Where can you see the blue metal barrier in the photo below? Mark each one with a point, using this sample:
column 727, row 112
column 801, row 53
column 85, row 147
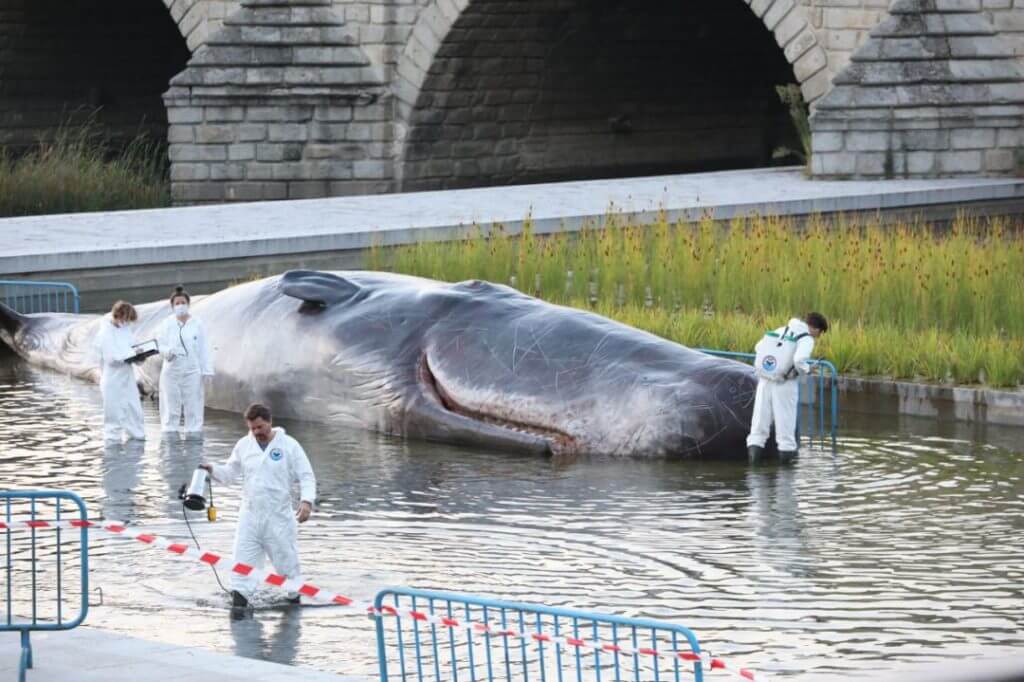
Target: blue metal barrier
column 472, row 644
column 815, row 420
column 35, row 507
column 27, row 296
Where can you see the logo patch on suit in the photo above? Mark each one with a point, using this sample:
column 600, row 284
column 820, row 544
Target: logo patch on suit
column 768, row 363
column 276, row 454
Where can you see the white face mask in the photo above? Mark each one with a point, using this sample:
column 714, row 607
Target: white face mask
column 181, row 310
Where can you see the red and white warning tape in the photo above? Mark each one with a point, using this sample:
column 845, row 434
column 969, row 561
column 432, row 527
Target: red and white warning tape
column 318, row 594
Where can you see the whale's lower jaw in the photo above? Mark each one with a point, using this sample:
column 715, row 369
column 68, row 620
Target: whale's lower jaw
column 555, row 441
column 492, row 428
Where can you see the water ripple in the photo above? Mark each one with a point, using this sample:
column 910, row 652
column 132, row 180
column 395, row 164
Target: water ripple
column 903, row 546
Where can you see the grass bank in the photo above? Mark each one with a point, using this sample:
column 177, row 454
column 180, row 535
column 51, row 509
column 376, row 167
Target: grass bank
column 81, row 171
column 906, row 301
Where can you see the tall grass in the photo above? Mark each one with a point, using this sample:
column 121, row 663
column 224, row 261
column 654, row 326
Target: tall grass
column 81, row 171
column 907, row 301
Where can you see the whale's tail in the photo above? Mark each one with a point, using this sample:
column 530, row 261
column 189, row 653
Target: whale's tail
column 11, row 321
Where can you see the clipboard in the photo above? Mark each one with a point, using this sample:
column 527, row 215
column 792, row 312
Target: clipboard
column 144, row 350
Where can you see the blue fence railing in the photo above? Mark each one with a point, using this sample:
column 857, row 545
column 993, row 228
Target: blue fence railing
column 477, row 644
column 819, row 398
column 37, row 564
column 27, row 296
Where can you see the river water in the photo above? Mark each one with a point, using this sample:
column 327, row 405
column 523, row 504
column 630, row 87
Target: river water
column 905, row 545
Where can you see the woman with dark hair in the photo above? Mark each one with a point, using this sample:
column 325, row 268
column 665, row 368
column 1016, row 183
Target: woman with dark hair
column 782, row 356
column 122, row 408
column 187, row 359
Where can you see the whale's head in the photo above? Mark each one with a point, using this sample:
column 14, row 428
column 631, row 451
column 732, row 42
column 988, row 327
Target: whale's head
column 484, row 364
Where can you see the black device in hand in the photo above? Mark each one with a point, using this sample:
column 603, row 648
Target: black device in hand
column 143, row 350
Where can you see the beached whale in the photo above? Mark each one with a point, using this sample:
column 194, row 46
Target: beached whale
column 470, row 363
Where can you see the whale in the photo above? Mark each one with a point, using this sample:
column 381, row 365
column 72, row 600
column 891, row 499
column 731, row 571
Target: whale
column 468, row 363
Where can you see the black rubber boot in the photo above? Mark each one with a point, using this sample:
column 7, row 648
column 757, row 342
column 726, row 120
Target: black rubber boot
column 787, row 455
column 755, row 453
column 238, row 600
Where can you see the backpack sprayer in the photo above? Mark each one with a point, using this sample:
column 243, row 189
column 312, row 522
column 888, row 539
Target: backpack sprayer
column 193, row 496
column 774, row 355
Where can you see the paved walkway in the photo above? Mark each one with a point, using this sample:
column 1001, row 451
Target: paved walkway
column 178, row 235
column 90, row 655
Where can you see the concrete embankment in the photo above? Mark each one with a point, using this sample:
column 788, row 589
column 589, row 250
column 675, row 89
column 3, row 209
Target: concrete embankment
column 142, row 254
column 945, row 402
column 961, row 403
column 88, row 654
column 147, row 252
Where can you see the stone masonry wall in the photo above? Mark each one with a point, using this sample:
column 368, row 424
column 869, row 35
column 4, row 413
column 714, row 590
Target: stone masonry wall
column 261, row 150
column 280, row 103
column 935, row 91
column 397, row 115
column 842, row 26
column 197, row 20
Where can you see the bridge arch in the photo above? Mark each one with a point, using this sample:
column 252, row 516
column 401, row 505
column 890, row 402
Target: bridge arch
column 485, row 90
column 199, row 19
column 62, row 61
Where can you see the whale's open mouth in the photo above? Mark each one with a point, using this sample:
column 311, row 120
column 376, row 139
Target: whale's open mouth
column 559, row 442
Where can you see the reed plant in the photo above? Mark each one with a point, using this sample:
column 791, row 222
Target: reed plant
column 791, row 96
column 908, row 301
column 81, row 170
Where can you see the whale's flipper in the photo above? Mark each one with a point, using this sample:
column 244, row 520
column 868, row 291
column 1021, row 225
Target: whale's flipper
column 319, row 288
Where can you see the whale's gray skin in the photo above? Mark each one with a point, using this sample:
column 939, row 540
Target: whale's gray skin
column 470, row 363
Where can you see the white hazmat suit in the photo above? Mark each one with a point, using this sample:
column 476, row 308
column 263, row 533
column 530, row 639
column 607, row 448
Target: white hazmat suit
column 122, row 408
column 187, row 359
column 779, row 400
column 266, row 520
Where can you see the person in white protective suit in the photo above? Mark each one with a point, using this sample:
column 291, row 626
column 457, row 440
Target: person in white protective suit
column 112, row 348
column 269, row 462
column 782, row 356
column 187, row 362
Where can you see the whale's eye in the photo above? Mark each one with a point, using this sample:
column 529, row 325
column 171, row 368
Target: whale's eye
column 30, row 342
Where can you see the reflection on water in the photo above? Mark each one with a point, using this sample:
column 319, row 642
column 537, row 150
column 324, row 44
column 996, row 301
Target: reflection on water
column 903, row 546
column 122, row 466
column 268, row 637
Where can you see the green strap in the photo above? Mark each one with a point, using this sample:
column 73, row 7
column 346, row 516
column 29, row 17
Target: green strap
column 791, row 337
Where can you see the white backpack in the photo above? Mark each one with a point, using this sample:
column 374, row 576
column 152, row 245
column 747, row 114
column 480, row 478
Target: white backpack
column 774, row 355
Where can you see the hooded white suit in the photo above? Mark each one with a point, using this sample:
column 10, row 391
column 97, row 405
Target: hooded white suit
column 122, row 408
column 779, row 400
column 266, row 521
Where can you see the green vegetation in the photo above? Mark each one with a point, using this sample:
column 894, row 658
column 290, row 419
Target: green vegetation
column 906, row 301
column 791, row 96
column 80, row 171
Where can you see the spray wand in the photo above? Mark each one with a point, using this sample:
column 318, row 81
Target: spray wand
column 193, row 498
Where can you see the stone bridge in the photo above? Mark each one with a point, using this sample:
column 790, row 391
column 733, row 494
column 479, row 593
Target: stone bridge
column 274, row 99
